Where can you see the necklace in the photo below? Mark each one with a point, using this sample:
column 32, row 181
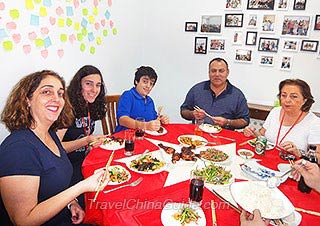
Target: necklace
column 86, row 127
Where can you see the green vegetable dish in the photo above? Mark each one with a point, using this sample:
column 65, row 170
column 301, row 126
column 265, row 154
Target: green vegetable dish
column 214, row 174
column 146, row 163
column 186, row 215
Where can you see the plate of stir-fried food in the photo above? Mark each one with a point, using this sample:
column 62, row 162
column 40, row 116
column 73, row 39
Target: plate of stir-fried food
column 214, row 155
column 147, row 164
column 118, row 175
column 216, row 174
column 181, row 214
column 112, row 143
column 158, row 132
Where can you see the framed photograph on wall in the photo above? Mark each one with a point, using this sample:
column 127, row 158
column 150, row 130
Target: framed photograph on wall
column 233, row 4
column 282, row 5
column 268, row 44
column 200, row 45
column 299, row 4
column 317, row 23
column 217, row 44
column 243, row 56
column 233, row 20
column 296, row 26
column 251, row 38
column 252, row 21
column 263, row 5
column 290, row 45
column 268, row 23
column 286, row 63
column 191, row 27
column 211, row 24
column 309, row 45
column 266, row 60
column 237, row 38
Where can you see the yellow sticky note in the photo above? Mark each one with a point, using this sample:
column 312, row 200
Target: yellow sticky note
column 39, row 42
column 82, row 47
column 7, row 45
column 79, row 37
column 92, row 50
column 91, row 19
column 14, row 13
column 60, row 22
column 37, row 1
column 29, row 4
column 69, row 22
column 95, row 11
column 84, row 31
column 76, row 26
column 85, row 12
column 63, row 37
column 115, row 31
column 99, row 41
column 43, row 11
column 105, row 33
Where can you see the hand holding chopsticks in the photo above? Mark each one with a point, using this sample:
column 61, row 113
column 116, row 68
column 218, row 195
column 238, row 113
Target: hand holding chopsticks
column 197, row 108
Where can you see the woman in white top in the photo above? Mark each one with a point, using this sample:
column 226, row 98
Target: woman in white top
column 292, row 126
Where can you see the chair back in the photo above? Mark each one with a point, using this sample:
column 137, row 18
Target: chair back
column 109, row 122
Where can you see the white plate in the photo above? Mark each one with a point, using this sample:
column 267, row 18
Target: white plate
column 231, row 180
column 270, row 145
column 284, row 167
column 227, row 161
column 193, row 138
column 120, row 168
column 240, row 153
column 251, row 195
column 155, row 133
column 171, row 208
column 112, row 145
column 208, row 128
column 154, row 155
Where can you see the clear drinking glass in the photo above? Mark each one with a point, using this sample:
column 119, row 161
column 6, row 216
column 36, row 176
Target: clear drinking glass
column 140, row 128
column 129, row 142
column 197, row 129
column 196, row 188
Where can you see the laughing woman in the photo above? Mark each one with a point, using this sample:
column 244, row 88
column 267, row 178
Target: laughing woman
column 35, row 171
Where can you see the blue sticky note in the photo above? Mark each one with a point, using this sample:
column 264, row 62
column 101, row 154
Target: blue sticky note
column 3, row 33
column 84, row 23
column 69, row 11
column 47, row 3
column 47, row 42
column 34, row 20
column 82, row 1
column 90, row 36
column 107, row 14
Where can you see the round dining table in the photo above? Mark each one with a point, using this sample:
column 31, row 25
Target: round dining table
column 143, row 204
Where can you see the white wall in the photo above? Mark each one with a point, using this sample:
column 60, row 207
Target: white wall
column 152, row 33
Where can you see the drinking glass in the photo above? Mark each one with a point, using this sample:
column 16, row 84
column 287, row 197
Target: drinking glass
column 196, row 188
column 140, row 128
column 197, row 129
column 129, row 142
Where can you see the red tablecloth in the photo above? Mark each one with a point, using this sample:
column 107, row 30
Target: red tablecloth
column 142, row 205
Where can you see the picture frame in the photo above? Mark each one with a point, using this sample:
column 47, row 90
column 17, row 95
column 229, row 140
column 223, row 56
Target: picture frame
column 317, row 22
column 211, row 24
column 268, row 23
column 286, row 63
column 233, row 4
column 296, row 26
column 243, row 56
column 290, row 45
column 299, row 4
column 282, row 5
column 252, row 21
column 266, row 60
column 233, row 20
column 237, row 38
column 200, row 45
column 217, row 44
column 268, row 44
column 261, row 5
column 191, row 27
column 251, row 38
column 309, row 45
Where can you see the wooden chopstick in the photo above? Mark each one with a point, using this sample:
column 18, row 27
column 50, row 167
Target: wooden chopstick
column 226, row 201
column 307, row 211
column 98, row 140
column 104, row 176
column 213, row 212
column 243, row 143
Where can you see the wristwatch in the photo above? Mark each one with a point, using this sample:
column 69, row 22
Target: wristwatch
column 228, row 122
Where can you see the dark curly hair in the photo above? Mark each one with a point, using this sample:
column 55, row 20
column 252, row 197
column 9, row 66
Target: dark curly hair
column 304, row 89
column 16, row 114
column 145, row 71
column 98, row 107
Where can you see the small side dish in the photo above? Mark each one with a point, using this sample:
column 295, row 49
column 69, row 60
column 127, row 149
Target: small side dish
column 245, row 153
column 186, row 215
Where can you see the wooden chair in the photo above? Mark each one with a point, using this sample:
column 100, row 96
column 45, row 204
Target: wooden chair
column 109, row 122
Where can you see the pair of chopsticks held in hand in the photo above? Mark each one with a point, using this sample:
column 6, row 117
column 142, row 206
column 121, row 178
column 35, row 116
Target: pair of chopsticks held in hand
column 197, row 108
column 99, row 140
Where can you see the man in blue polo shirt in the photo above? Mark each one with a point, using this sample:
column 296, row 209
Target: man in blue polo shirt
column 218, row 97
column 135, row 103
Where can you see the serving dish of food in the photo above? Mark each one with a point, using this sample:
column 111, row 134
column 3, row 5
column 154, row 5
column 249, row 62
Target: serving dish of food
column 192, row 140
column 113, row 143
column 159, row 132
column 214, row 155
column 215, row 174
column 118, row 174
column 147, row 164
column 208, row 128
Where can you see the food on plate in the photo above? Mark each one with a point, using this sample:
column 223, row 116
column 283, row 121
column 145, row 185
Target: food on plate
column 118, row 174
column 268, row 147
column 187, row 154
column 247, row 154
column 216, row 175
column 214, row 155
column 175, row 157
column 160, row 130
column 111, row 140
column 190, row 142
column 167, row 149
column 210, row 128
column 186, row 215
column 147, row 163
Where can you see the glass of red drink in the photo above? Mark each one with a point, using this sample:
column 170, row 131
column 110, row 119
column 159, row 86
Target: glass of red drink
column 129, row 142
column 196, row 188
column 140, row 128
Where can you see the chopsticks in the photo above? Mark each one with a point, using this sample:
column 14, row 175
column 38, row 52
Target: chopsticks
column 98, row 140
column 104, row 176
column 213, row 213
column 245, row 142
column 307, row 211
column 226, row 201
column 197, row 108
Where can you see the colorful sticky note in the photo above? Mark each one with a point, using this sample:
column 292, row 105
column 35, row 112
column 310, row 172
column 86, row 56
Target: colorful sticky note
column 76, row 26
column 97, row 26
column 90, row 37
column 84, row 31
column 47, row 3
column 79, row 37
column 92, row 50
column 7, row 45
column 60, row 22
column 37, row 1
column 91, row 19
column 109, row 3
column 99, row 41
column 63, row 37
column 16, row 38
column 114, row 31
column 60, row 53
column 29, row 4
column 72, row 38
column 107, row 14
column 105, row 33
column 47, row 42
column 76, row 3
column 39, row 42
column 52, row 20
column 59, row 11
column 2, row 6
column 69, row 22
column 69, row 11
column 32, row 36
column 14, row 13
column 95, row 11
column 3, row 33
column 43, row 11
column 95, row 3
column 44, row 30
column 84, row 23
column 26, row 49
column 34, row 20
column 85, row 12
column 82, row 47
column 11, row 26
column 82, row 1
column 44, row 53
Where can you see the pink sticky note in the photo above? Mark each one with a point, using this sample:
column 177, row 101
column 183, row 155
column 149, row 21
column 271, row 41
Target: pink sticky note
column 95, row 3
column 60, row 52
column 76, row 3
column 26, row 49
column 44, row 53
column 111, row 23
column 103, row 22
column 97, row 26
column 109, row 3
column 11, row 25
column 44, row 30
column 2, row 6
column 16, row 38
column 59, row 11
column 32, row 36
column 52, row 20
column 72, row 38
